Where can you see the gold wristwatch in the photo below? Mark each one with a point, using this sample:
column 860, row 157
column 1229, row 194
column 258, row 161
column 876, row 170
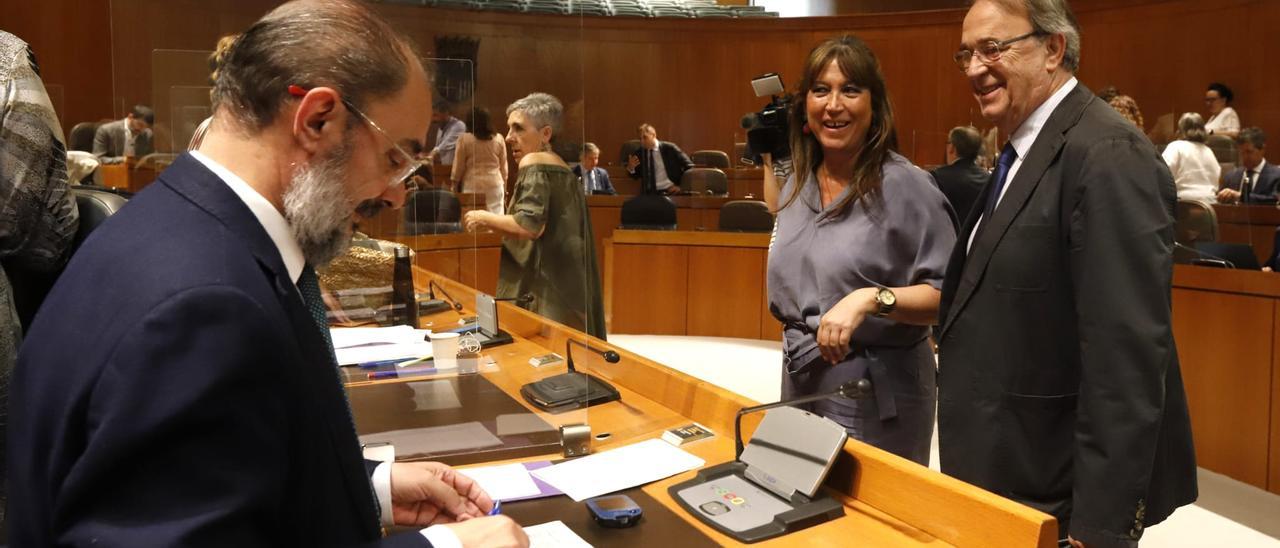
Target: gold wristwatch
column 886, row 300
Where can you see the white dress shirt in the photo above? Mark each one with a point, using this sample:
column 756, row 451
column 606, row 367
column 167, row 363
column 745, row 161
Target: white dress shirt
column 1195, row 170
column 1227, row 120
column 1024, row 137
column 281, row 235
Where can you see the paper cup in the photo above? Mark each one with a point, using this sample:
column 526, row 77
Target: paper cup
column 444, row 350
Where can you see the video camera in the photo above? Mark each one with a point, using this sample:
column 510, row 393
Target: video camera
column 767, row 130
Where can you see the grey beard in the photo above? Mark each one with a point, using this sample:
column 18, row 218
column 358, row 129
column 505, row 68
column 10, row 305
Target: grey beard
column 317, row 207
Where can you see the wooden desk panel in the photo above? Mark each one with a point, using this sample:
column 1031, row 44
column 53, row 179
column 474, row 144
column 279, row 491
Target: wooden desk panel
column 1253, row 225
column 1224, row 345
column 1273, row 477
column 720, row 279
column 888, row 501
column 647, row 287
column 445, row 262
column 478, row 268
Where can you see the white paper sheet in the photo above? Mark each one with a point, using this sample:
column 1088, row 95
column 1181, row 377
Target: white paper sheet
column 381, row 351
column 554, row 534
column 503, row 482
column 344, row 337
column 618, row 469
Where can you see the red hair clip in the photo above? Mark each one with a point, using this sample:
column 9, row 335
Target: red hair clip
column 297, row 91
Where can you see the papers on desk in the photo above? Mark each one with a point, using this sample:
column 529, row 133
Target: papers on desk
column 618, row 469
column 554, row 534
column 354, row 345
column 511, row 482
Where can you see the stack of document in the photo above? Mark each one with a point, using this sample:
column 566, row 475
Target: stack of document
column 618, row 469
column 354, row 345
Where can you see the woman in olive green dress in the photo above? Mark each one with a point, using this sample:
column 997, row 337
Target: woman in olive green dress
column 548, row 250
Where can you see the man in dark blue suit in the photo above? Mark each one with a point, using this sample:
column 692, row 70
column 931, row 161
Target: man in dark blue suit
column 197, row 402
column 1262, row 179
column 962, row 178
column 595, row 180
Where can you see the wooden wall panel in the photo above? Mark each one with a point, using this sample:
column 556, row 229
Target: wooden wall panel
column 721, row 283
column 443, row 262
column 1224, row 346
column 649, row 284
column 690, row 77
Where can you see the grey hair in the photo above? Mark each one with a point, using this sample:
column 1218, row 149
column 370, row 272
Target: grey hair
column 542, row 109
column 1191, row 128
column 1051, row 17
column 1252, row 135
column 590, row 148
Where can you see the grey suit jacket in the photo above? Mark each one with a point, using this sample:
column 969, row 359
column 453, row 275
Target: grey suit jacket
column 110, row 139
column 1059, row 384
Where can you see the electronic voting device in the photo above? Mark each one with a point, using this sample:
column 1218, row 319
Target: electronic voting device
column 485, row 329
column 773, row 489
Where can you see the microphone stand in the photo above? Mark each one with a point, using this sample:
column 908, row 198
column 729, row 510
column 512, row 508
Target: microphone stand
column 431, row 294
column 860, row 388
column 572, row 387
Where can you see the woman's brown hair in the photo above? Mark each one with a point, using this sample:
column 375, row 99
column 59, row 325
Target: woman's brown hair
column 859, row 65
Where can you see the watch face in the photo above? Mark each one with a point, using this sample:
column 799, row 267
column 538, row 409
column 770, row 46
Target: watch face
column 887, row 297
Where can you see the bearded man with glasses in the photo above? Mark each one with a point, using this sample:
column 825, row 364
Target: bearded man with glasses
column 197, row 400
column 1059, row 384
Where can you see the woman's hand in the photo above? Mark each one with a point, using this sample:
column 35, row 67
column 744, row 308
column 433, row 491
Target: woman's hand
column 475, row 220
column 838, row 324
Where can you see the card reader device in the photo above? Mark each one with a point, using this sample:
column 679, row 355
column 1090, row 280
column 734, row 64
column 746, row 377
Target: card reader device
column 614, row 511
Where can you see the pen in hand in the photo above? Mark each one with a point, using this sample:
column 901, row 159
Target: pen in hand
column 497, row 508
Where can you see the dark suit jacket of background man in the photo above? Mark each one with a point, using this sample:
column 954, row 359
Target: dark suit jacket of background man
column 602, row 183
column 673, row 159
column 1264, row 188
column 110, row 139
column 1059, row 384
column 961, row 181
column 192, row 403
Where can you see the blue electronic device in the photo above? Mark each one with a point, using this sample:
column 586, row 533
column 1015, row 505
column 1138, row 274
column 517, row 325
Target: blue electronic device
column 616, row 511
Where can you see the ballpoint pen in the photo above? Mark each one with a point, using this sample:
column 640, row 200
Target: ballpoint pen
column 380, row 363
column 497, row 508
column 397, row 373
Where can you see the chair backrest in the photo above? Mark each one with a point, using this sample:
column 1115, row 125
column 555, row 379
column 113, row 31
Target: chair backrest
column 650, row 212
column 628, row 148
column 1163, row 131
column 30, row 287
column 1194, row 221
column 432, row 211
column 1223, row 147
column 82, row 136
column 705, row 180
column 746, row 216
column 710, row 158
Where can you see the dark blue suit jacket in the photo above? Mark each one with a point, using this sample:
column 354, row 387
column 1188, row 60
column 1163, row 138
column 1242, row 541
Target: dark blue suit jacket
column 174, row 391
column 1265, row 190
column 602, row 183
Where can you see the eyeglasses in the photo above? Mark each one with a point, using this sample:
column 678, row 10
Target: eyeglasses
column 405, row 166
column 1211, row 100
column 989, row 52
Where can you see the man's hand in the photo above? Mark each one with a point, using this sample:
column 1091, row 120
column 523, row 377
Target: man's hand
column 1228, row 196
column 496, row 532
column 428, row 493
column 1075, row 543
column 633, row 162
column 838, row 324
column 475, row 220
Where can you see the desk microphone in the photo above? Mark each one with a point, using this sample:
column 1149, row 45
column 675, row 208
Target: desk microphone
column 858, row 389
column 1209, row 259
column 572, row 389
column 431, row 293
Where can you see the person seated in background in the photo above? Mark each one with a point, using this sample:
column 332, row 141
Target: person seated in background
column 127, row 138
column 1195, row 169
column 1262, row 180
column 480, row 162
column 658, row 164
column 961, row 180
column 1223, row 119
column 447, row 132
column 1125, row 105
column 595, row 180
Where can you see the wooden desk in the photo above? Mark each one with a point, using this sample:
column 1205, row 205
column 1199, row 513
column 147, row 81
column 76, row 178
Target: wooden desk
column 128, row 176
column 745, row 183
column 688, row 283
column 692, row 213
column 390, row 222
column 1254, row 225
column 1227, row 326
column 468, row 258
column 888, row 500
